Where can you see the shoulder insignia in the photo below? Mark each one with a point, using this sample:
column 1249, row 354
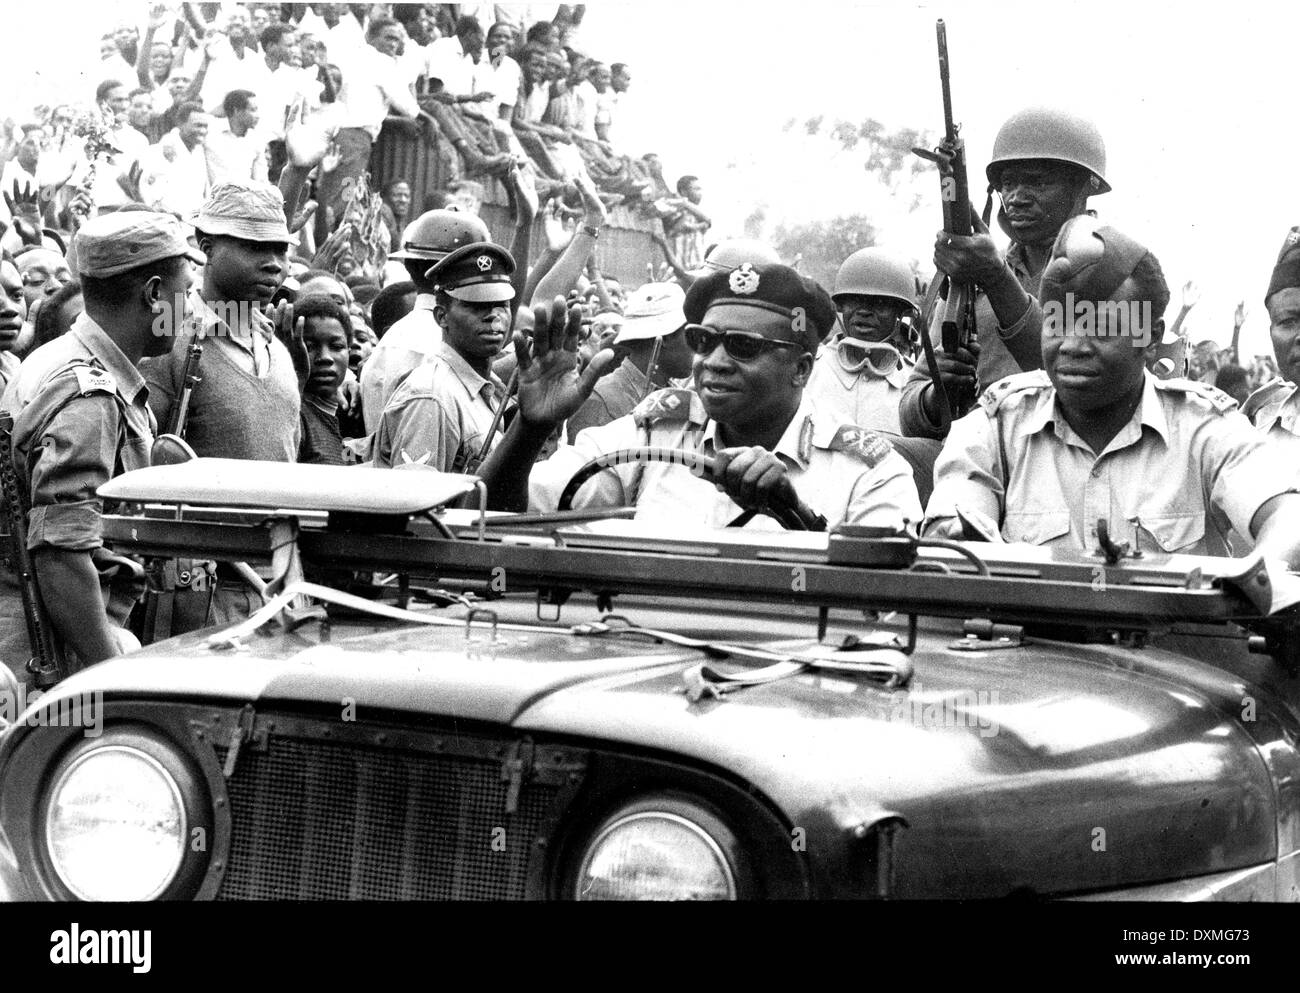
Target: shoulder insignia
column 1219, row 400
column 1268, row 393
column 996, row 393
column 92, row 380
column 669, row 405
column 868, row 446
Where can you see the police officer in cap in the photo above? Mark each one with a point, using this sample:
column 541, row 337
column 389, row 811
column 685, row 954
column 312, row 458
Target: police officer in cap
column 753, row 331
column 1046, row 164
column 442, row 413
column 81, row 418
column 1169, row 465
column 860, row 371
column 410, row 342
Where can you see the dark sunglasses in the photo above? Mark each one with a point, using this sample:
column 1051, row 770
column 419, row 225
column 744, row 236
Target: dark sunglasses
column 743, row 346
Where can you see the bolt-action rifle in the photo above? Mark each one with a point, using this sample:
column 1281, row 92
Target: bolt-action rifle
column 47, row 665
column 958, row 327
column 190, row 378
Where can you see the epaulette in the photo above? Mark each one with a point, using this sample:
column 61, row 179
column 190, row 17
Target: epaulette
column 1219, row 400
column 89, row 378
column 1265, row 395
column 868, row 446
column 994, row 395
column 670, row 405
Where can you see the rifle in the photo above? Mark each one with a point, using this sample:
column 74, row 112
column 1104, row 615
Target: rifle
column 190, row 378
column 958, row 328
column 47, row 664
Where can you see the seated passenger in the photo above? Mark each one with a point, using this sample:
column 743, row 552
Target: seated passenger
column 1169, row 464
column 753, row 332
column 860, row 372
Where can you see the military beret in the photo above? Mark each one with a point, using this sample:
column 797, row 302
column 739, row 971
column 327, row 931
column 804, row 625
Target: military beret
column 1286, row 273
column 476, row 273
column 1089, row 260
column 772, row 287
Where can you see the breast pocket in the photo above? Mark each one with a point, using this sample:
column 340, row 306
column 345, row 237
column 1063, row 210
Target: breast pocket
column 1175, row 531
column 1040, row 528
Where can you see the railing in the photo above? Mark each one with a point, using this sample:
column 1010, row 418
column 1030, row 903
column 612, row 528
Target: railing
column 422, row 160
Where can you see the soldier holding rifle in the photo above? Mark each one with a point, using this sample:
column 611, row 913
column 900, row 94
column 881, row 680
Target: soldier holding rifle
column 87, row 421
column 1046, row 163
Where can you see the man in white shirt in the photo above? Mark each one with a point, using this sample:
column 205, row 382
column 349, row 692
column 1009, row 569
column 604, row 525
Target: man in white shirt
column 235, row 151
column 464, row 109
column 107, row 192
column 175, row 172
column 373, row 86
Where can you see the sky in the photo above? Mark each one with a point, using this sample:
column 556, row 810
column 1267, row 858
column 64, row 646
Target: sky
column 1195, row 102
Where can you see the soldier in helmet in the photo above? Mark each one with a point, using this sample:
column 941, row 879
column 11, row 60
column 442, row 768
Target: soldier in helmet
column 753, row 332
column 860, row 371
column 430, row 238
column 1046, row 164
column 1169, row 465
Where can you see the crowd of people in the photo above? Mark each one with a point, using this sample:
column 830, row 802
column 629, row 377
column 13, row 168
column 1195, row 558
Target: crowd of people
column 207, row 260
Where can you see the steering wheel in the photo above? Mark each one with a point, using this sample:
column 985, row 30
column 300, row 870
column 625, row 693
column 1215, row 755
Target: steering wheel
column 795, row 517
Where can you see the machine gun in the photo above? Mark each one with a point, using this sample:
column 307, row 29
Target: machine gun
column 958, row 327
column 47, row 664
column 190, row 378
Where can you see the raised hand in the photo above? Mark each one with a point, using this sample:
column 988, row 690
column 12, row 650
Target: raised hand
column 591, row 203
column 159, row 15
column 333, row 155
column 1191, row 294
column 303, row 216
column 968, row 259
column 550, row 387
column 556, row 237
column 24, row 204
column 1239, row 316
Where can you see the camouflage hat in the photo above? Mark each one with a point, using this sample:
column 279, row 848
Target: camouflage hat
column 118, row 242
column 653, row 311
column 245, row 209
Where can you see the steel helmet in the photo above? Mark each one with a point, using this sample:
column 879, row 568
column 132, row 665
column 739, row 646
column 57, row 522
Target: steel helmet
column 875, row 272
column 726, row 255
column 1050, row 133
column 435, row 234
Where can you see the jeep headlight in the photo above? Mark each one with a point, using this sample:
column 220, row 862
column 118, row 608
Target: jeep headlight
column 115, row 824
column 659, row 851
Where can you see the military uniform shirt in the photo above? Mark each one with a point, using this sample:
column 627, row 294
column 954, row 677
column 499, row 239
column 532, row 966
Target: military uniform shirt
column 844, row 473
column 860, row 398
column 87, row 421
column 1185, row 471
column 1273, row 409
column 408, row 344
column 439, row 416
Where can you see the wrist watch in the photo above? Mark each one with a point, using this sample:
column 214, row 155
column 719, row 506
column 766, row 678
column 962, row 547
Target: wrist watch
column 591, row 230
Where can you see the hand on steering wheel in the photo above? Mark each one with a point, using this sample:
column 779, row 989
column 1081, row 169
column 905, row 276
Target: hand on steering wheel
column 741, row 472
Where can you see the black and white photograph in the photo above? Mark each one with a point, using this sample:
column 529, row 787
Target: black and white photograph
column 657, row 452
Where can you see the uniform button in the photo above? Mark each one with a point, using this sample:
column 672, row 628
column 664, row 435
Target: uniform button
column 1095, row 472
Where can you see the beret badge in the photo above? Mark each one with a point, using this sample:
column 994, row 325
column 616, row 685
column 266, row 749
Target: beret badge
column 743, row 279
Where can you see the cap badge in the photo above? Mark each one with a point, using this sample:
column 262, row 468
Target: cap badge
column 743, row 279
column 484, row 263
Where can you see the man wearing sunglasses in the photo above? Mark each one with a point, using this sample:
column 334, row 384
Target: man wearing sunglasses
column 1046, row 163
column 1169, row 465
column 859, row 374
column 753, row 331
